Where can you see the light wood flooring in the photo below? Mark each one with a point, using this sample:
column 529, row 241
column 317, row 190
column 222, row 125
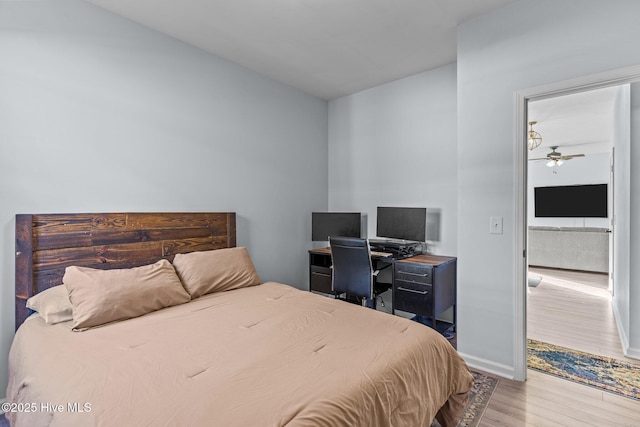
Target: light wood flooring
column 573, row 309
column 570, row 309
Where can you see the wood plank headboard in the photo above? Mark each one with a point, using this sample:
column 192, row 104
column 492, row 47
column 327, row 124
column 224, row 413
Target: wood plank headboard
column 48, row 243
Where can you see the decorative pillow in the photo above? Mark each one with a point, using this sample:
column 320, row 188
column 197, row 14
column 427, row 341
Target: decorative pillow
column 103, row 296
column 215, row 271
column 53, row 305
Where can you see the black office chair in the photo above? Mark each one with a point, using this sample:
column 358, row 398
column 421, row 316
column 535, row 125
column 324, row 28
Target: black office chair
column 353, row 273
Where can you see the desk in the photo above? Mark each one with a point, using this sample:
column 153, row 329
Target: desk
column 422, row 284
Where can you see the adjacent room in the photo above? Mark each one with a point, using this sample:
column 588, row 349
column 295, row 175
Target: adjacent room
column 222, row 127
column 571, row 221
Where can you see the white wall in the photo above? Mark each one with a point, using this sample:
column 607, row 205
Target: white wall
column 634, row 214
column 395, row 145
column 523, row 45
column 622, row 220
column 100, row 114
column 591, row 169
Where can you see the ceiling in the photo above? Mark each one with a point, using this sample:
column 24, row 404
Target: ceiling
column 327, row 48
column 333, row 48
column 577, row 123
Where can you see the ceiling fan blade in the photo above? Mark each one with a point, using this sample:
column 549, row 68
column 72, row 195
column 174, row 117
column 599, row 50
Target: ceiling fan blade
column 540, row 158
column 571, row 156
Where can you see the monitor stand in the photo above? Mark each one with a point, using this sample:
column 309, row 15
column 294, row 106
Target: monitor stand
column 399, row 248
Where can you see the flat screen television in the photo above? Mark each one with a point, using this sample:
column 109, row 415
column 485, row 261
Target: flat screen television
column 343, row 224
column 571, row 201
column 402, row 223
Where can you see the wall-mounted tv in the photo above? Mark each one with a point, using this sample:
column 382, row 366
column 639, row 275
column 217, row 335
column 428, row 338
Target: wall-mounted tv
column 571, row 201
column 343, row 224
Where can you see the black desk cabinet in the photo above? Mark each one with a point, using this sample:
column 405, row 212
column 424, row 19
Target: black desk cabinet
column 426, row 286
column 320, row 270
column 422, row 284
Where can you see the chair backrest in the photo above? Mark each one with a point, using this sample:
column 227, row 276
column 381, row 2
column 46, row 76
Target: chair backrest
column 352, row 269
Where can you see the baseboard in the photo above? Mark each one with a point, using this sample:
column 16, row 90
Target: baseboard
column 622, row 333
column 633, row 353
column 488, row 366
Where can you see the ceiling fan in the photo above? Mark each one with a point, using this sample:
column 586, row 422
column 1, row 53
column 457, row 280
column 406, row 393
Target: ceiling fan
column 555, row 158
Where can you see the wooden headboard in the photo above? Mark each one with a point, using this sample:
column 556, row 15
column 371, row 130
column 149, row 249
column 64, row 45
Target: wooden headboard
column 48, row 243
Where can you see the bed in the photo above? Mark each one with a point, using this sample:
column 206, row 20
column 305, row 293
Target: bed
column 238, row 353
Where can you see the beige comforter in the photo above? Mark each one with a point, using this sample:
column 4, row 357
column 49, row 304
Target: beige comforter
column 268, row 355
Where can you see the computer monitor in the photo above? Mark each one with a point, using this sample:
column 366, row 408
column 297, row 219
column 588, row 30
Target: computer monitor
column 402, row 223
column 325, row 224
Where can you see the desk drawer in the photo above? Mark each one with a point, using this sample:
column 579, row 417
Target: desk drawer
column 320, row 279
column 414, row 273
column 413, row 297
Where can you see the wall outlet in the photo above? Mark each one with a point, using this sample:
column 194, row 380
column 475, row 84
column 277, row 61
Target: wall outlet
column 495, row 225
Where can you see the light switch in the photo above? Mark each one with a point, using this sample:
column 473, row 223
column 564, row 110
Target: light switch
column 495, row 225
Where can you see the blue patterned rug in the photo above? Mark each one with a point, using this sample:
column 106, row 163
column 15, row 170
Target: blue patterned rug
column 604, row 373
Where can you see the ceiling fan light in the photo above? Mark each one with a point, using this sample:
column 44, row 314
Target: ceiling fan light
column 551, row 163
column 559, row 162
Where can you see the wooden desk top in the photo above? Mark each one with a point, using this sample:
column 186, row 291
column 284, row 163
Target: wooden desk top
column 327, row 251
column 434, row 260
column 418, row 259
column 321, row 251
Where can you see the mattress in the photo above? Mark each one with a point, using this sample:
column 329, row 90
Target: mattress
column 267, row 355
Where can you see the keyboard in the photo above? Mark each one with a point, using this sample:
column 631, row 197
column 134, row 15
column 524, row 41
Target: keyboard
column 380, row 254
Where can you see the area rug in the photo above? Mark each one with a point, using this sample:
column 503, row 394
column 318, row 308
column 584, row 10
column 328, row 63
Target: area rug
column 483, row 387
column 604, row 373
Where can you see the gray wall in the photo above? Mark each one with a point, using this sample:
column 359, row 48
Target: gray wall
column 100, row 114
column 499, row 54
column 395, row 145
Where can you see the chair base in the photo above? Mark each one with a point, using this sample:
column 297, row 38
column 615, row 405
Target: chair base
column 354, row 299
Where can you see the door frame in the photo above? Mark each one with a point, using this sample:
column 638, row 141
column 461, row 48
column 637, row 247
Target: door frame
column 522, row 97
column 611, row 201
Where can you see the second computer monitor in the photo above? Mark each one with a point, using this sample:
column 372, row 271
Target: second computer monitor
column 325, row 224
column 402, row 223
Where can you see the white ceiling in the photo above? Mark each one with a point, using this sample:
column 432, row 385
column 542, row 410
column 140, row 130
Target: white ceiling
column 328, row 48
column 577, row 123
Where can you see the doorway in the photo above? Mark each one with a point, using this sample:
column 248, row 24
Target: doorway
column 570, row 143
column 607, row 79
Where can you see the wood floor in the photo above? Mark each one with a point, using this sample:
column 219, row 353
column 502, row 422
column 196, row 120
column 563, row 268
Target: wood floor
column 573, row 310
